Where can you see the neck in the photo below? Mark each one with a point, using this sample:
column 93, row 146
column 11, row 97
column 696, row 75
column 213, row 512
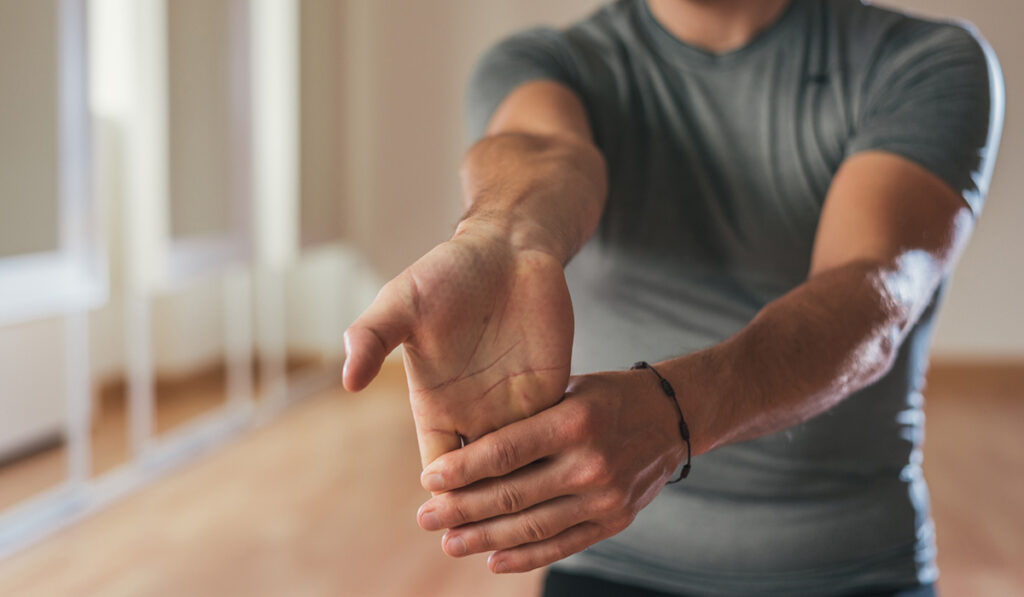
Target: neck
column 717, row 25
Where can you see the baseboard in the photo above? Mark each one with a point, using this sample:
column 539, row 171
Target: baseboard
column 38, row 444
column 111, row 395
column 112, row 391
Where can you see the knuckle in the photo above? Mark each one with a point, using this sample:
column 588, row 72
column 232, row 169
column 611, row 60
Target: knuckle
column 586, row 476
column 619, row 500
column 504, row 455
column 533, row 530
column 561, row 551
column 595, row 471
column 603, row 463
column 510, row 498
column 579, row 421
column 480, row 540
column 457, row 513
column 612, row 501
column 454, row 469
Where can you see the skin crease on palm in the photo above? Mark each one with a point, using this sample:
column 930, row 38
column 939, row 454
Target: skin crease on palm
column 487, row 332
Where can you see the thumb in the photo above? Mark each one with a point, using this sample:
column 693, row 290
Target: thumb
column 380, row 329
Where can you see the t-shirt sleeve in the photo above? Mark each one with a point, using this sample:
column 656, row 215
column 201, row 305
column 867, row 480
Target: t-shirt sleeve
column 535, row 54
column 937, row 100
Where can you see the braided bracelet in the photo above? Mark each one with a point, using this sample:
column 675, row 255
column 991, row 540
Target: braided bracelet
column 684, row 430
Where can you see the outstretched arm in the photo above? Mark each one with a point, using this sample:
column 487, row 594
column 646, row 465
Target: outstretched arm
column 485, row 318
column 544, row 488
column 891, row 228
column 889, row 233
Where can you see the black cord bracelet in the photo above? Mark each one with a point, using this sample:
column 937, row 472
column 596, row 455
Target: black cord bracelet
column 684, row 430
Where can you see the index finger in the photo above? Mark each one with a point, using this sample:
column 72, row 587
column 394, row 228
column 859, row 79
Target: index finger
column 500, row 452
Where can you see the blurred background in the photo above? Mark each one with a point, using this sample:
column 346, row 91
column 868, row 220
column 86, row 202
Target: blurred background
column 197, row 197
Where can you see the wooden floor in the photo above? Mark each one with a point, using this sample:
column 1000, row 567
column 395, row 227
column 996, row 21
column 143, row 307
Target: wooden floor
column 974, row 463
column 322, row 502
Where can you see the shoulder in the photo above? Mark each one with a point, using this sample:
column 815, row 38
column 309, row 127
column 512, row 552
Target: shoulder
column 579, row 56
column 610, row 30
column 597, row 38
column 882, row 35
column 593, row 55
column 930, row 90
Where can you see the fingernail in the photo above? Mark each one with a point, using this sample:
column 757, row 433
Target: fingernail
column 500, row 567
column 456, row 546
column 433, row 482
column 430, row 521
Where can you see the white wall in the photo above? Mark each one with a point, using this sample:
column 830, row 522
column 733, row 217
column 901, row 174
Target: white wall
column 409, row 67
column 200, row 124
column 30, row 395
column 28, row 168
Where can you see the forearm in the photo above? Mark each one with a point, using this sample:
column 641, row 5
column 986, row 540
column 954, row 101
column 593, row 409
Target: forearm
column 803, row 353
column 544, row 192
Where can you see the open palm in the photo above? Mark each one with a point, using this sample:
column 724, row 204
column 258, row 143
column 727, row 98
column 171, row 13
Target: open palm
column 487, row 331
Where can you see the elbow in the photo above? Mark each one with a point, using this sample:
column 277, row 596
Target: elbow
column 878, row 356
column 899, row 297
column 870, row 359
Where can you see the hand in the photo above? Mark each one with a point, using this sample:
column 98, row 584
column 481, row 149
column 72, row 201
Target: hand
column 546, row 487
column 487, row 329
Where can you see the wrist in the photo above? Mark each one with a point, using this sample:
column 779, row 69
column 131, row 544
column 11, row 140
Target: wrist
column 646, row 391
column 518, row 233
column 696, row 393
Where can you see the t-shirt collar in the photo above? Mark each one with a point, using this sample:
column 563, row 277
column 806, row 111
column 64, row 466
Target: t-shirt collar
column 675, row 49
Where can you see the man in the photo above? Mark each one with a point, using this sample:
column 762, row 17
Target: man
column 764, row 198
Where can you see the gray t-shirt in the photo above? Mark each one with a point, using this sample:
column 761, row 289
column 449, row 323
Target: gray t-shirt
column 718, row 168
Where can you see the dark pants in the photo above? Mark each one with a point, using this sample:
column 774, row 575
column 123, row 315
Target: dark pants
column 560, row 584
